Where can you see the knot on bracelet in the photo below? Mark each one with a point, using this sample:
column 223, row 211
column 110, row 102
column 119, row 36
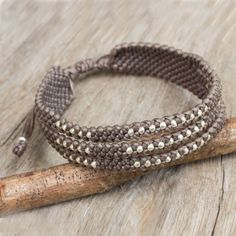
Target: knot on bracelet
column 86, row 66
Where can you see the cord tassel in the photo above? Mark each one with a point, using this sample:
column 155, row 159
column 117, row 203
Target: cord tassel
column 20, row 147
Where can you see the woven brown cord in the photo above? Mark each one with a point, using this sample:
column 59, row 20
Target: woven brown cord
column 145, row 144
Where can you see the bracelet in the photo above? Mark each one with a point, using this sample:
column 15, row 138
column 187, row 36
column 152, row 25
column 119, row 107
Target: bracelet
column 139, row 145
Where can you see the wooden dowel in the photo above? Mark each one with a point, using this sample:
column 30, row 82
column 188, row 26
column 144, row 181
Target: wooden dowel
column 68, row 181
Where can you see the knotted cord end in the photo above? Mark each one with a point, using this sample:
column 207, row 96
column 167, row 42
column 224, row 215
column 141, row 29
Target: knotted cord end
column 20, row 147
column 87, row 66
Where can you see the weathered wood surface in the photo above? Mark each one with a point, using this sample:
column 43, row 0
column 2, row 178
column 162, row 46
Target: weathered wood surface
column 68, row 181
column 195, row 199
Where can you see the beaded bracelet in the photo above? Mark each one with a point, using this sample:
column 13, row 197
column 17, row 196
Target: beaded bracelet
column 139, row 145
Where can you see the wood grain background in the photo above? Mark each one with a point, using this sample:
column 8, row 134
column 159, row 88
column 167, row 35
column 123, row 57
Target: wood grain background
column 195, row 199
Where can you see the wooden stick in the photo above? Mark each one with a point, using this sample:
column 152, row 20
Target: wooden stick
column 68, row 181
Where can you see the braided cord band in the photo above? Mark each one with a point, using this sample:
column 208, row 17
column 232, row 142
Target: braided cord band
column 144, row 144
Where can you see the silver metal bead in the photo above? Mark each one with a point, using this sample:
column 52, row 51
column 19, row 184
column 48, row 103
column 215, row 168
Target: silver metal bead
column 199, row 113
column 150, row 147
column 152, row 128
column 65, row 156
column 71, row 158
column 173, row 123
column 194, row 147
column 141, row 130
column 58, row 141
column 137, row 164
column 177, row 156
column 88, row 135
column 129, row 150
column 188, row 133
column 72, row 130
column 192, row 116
column 130, row 132
column 79, row 149
column 23, row 139
column 64, row 127
column 186, row 151
column 183, row 119
column 72, row 147
column 180, row 137
column 139, row 149
column 80, row 134
column 203, row 123
column 147, row 164
column 196, row 129
column 163, row 125
column 94, row 164
column 87, row 150
column 58, row 124
column 64, row 143
column 171, row 141
column 208, row 137
column 161, row 145
column 202, row 142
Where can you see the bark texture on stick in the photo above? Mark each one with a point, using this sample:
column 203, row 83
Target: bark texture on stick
column 68, row 181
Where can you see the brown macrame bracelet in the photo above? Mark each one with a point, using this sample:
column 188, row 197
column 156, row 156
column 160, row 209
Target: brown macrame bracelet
column 145, row 144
